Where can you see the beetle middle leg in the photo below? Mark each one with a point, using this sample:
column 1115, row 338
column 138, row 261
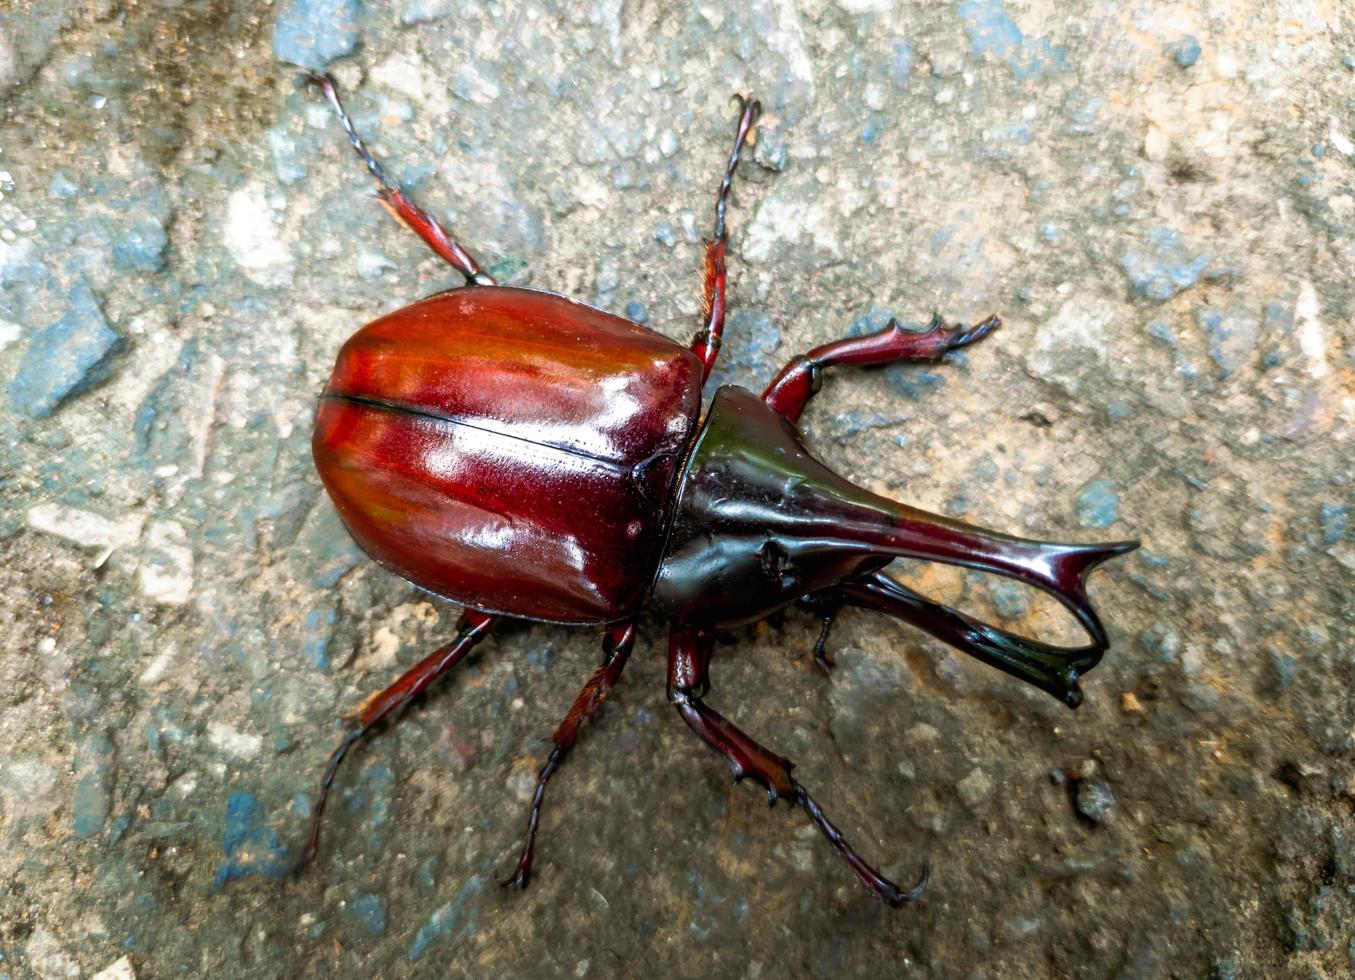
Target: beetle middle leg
column 791, row 390
column 616, row 647
column 473, row 628
column 398, row 202
column 689, row 653
column 826, row 606
column 706, row 344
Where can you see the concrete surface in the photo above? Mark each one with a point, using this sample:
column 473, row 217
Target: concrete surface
column 1157, row 197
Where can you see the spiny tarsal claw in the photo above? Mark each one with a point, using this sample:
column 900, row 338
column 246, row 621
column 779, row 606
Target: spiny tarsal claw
column 747, row 102
column 961, row 335
column 903, row 897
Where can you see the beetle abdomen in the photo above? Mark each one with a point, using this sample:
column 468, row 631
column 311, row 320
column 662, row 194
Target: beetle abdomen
column 509, row 449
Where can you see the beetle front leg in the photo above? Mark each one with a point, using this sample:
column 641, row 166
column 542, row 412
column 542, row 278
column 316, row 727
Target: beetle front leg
column 473, row 628
column 398, row 202
column 791, row 390
column 706, row 344
column 689, row 653
column 616, row 649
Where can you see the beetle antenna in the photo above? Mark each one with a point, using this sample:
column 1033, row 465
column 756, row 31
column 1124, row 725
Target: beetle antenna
column 749, row 111
column 398, row 202
column 325, row 82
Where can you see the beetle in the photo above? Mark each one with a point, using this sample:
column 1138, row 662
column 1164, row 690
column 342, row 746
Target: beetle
column 525, row 455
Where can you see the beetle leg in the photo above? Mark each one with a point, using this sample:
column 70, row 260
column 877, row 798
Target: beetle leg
column 822, row 658
column 826, row 606
column 474, row 627
column 616, row 649
column 706, row 344
column 688, row 680
column 398, row 203
column 791, row 390
column 1055, row 670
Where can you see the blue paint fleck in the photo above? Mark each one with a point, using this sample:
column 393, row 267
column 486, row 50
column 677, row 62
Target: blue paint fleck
column 422, row 11
column 665, row 235
column 373, row 794
column 1082, row 110
column 1232, row 338
column 1335, row 521
column 428, row 873
column 335, row 552
column 371, row 912
column 1017, row 132
column 540, row 657
column 990, row 28
column 90, row 803
column 1049, row 231
column 316, row 634
column 249, row 845
column 1165, row 268
column 750, row 340
column 451, row 920
column 1186, row 51
column 635, row 311
column 992, row 31
column 872, row 321
column 312, row 33
column 117, row 829
column 849, row 424
column 65, row 358
column 901, row 65
column 912, row 381
column 142, row 248
column 1010, row 600
column 1161, row 642
column 287, row 163
column 61, row 185
column 1285, row 669
column 1098, row 505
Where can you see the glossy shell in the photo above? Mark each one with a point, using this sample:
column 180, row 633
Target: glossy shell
column 509, row 449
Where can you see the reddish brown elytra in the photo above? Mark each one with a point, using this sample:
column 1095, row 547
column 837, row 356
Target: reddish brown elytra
column 525, row 455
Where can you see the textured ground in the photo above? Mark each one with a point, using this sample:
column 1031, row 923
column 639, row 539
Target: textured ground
column 1159, row 198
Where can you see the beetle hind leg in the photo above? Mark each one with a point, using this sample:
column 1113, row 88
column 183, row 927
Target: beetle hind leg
column 616, row 649
column 397, row 202
column 688, row 659
column 797, row 382
column 474, row 627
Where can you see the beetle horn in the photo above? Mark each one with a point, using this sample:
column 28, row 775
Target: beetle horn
column 1059, row 569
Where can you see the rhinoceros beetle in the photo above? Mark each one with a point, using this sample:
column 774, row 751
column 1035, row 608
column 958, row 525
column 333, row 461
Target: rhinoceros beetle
column 525, row 455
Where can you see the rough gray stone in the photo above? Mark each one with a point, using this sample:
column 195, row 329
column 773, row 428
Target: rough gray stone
column 312, row 33
column 65, row 358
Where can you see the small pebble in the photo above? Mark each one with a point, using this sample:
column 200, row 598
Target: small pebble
column 1095, row 800
column 1186, row 51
